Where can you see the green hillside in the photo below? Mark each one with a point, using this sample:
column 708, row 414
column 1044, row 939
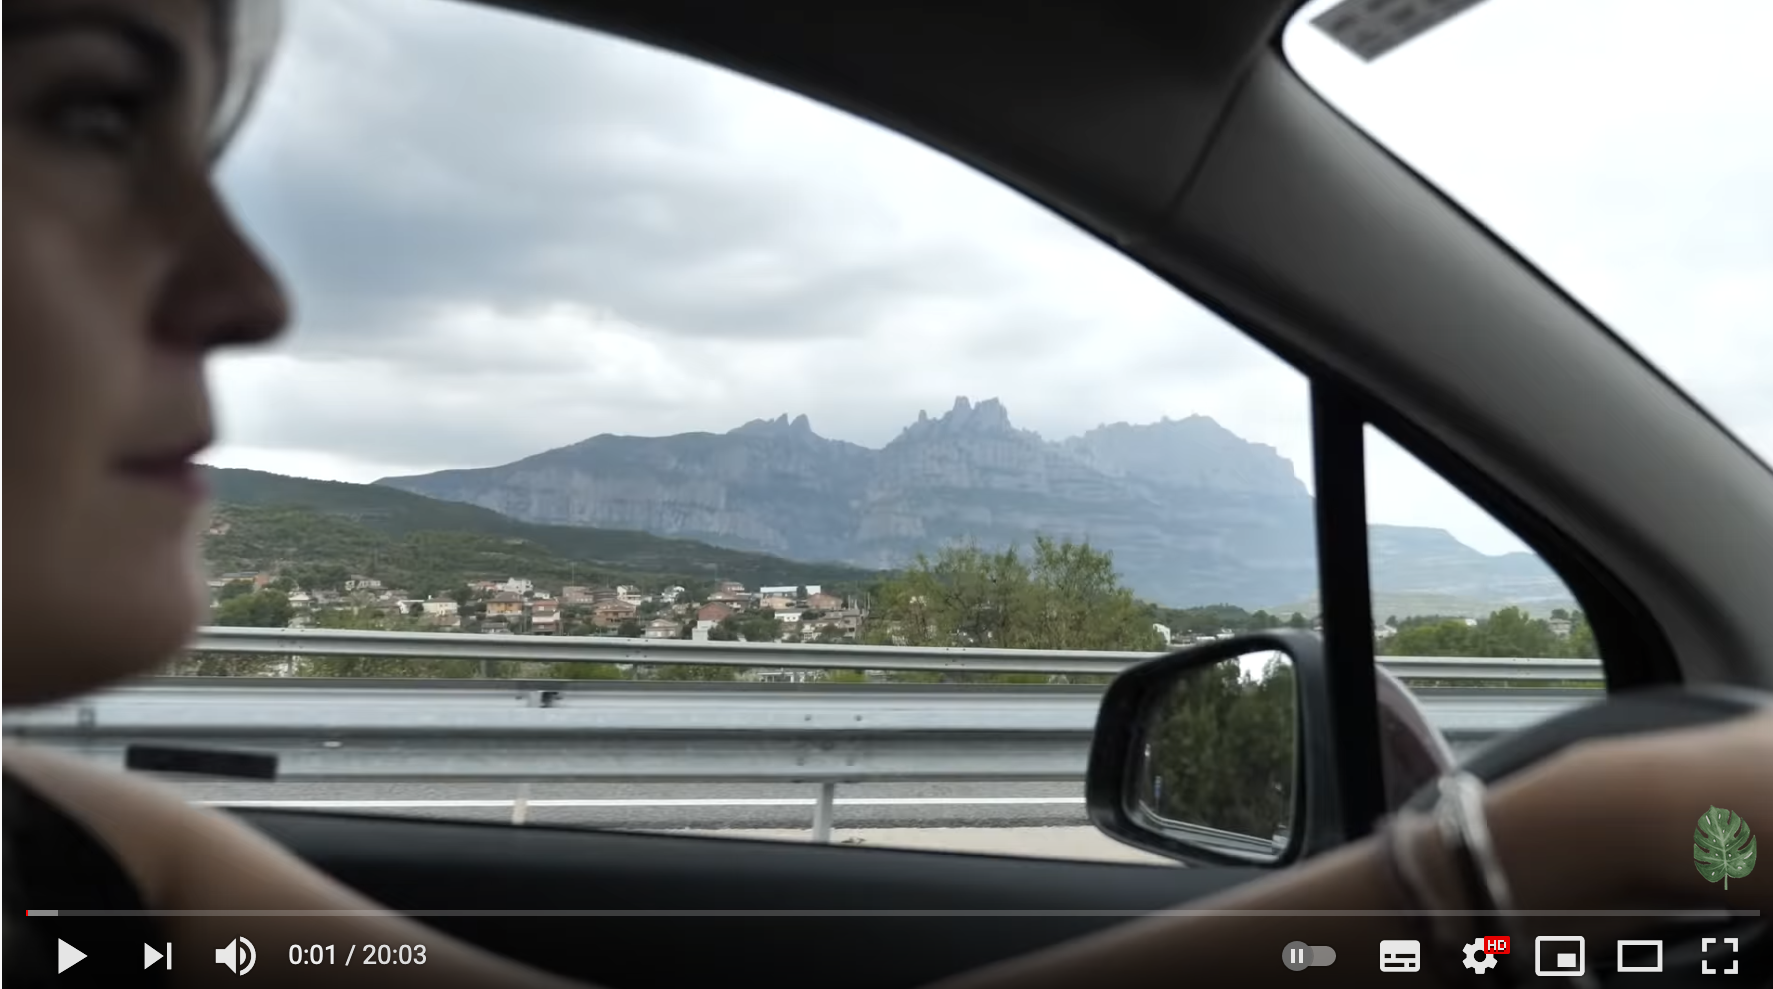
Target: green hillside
column 423, row 544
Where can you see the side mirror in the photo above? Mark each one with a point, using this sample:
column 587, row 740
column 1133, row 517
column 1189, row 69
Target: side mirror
column 1202, row 755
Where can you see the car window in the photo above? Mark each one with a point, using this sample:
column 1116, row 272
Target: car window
column 642, row 349
column 1614, row 153
column 1487, row 637
column 606, row 360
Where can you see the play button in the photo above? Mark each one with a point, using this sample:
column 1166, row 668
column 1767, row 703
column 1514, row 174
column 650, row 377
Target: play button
column 66, row 956
column 151, row 954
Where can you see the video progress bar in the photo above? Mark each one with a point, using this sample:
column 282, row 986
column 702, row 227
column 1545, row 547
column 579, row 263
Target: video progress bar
column 1179, row 912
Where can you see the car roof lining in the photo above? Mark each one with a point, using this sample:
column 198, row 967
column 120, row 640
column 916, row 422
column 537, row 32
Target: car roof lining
column 1134, row 103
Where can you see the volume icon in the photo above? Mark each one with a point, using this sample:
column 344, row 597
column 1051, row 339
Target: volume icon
column 240, row 956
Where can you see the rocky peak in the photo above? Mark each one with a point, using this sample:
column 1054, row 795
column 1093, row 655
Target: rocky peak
column 1195, row 452
column 799, row 426
column 964, row 418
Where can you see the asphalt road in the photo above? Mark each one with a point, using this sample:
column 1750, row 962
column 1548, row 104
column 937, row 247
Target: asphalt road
column 655, row 806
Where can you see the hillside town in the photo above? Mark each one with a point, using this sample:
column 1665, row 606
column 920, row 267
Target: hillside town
column 517, row 606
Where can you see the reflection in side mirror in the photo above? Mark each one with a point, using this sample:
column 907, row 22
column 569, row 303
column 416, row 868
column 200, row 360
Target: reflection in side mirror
column 1214, row 763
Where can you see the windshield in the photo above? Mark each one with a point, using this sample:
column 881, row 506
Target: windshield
column 1621, row 146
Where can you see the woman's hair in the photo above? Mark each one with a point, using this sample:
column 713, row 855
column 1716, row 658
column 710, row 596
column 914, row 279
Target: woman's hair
column 246, row 35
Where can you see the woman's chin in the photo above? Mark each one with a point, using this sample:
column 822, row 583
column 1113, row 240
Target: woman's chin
column 140, row 635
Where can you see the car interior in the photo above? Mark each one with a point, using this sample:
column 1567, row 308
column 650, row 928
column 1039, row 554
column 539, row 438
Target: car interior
column 1178, row 134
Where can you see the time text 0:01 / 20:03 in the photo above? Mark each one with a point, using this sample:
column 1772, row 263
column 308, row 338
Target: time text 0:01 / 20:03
column 361, row 954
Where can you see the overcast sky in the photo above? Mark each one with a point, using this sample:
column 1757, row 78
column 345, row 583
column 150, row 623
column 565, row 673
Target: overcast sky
column 504, row 236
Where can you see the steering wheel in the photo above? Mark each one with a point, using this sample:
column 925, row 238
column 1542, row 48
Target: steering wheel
column 1633, row 713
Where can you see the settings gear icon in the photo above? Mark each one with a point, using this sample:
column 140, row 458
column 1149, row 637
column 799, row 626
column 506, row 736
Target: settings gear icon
column 1474, row 962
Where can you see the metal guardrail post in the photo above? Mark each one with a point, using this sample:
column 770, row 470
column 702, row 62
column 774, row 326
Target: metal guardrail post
column 823, row 811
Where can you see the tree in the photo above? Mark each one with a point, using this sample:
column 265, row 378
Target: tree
column 233, row 589
column 1064, row 595
column 684, row 671
column 630, row 629
column 752, row 626
column 1221, row 753
column 1507, row 632
column 257, row 609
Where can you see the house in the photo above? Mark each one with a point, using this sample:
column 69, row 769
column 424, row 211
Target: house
column 518, row 585
column 629, row 594
column 788, row 617
column 700, row 632
column 483, row 586
column 730, row 587
column 1383, row 632
column 775, row 602
column 441, row 606
column 821, row 601
column 1164, row 631
column 1560, row 627
column 301, row 600
column 736, row 600
column 495, row 628
column 604, row 595
column 670, row 595
column 786, row 591
column 609, row 614
column 444, row 622
column 363, row 584
column 544, row 617
column 713, row 613
column 505, row 604
column 663, row 628
column 577, row 597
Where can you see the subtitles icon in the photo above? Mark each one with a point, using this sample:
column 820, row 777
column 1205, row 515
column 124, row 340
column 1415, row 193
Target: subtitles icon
column 1400, row 956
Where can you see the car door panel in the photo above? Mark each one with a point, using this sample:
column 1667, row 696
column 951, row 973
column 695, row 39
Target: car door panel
column 959, row 911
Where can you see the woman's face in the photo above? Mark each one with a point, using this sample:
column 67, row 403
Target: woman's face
column 123, row 271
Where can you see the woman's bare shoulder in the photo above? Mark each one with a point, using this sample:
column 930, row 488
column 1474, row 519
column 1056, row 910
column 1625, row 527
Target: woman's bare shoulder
column 179, row 855
column 144, row 824
column 186, row 858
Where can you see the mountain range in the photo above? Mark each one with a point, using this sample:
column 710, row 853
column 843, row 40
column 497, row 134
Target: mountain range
column 267, row 521
column 1192, row 512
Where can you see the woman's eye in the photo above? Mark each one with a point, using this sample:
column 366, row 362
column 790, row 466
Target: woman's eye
column 103, row 120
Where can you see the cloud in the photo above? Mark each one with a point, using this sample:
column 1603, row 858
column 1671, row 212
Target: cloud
column 505, row 236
